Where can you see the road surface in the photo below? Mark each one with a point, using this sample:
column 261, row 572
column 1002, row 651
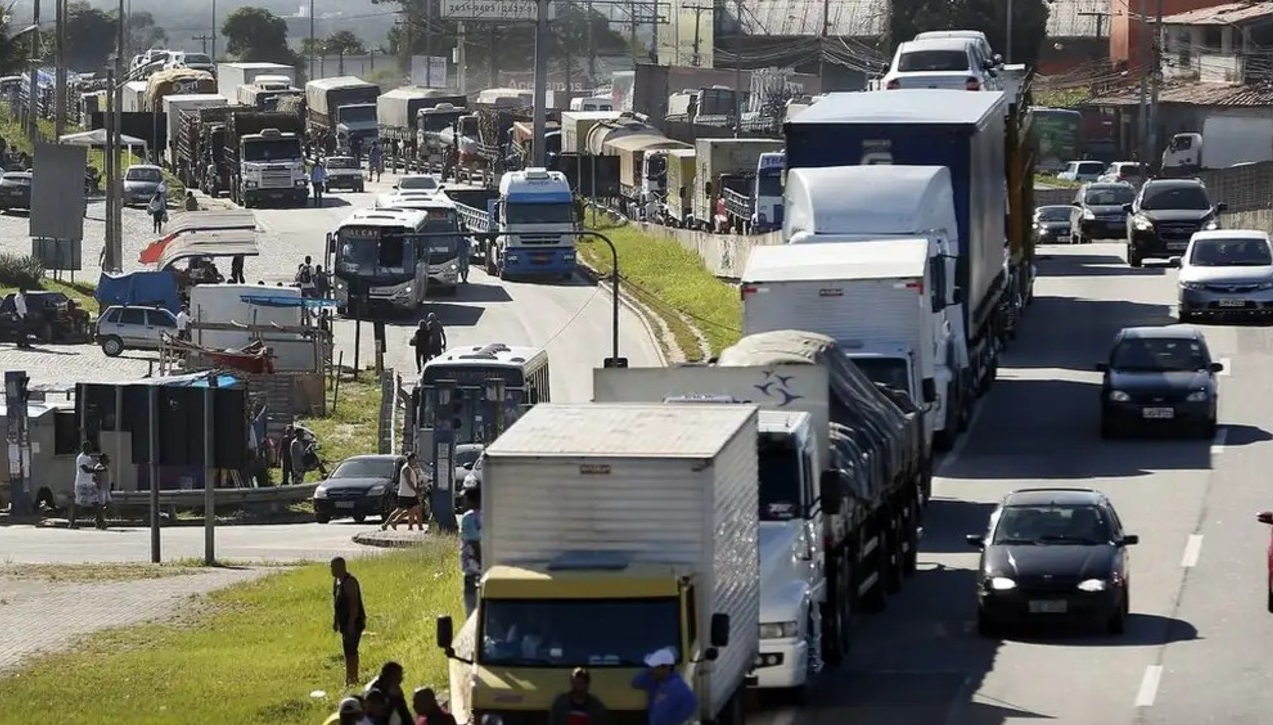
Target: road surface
column 1195, row 647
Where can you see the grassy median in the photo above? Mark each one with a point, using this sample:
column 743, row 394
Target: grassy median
column 352, row 428
column 253, row 653
column 673, row 283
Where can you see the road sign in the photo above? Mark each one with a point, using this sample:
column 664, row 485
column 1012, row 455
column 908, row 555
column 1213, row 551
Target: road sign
column 499, row 11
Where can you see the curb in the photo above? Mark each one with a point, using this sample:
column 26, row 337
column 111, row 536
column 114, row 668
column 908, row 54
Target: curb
column 634, row 306
column 168, row 522
column 392, row 539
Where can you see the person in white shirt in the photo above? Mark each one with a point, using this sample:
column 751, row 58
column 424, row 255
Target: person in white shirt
column 183, row 323
column 409, row 492
column 86, row 491
column 24, row 321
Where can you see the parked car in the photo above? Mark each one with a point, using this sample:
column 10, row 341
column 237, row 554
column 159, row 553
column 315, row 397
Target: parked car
column 1226, row 273
column 124, row 327
column 1097, row 211
column 978, row 39
column 1159, row 378
column 1053, row 555
column 141, row 183
column 1052, row 224
column 1082, row 171
column 359, row 487
column 1131, row 172
column 55, row 318
column 418, row 183
column 953, row 63
column 15, row 190
column 344, row 172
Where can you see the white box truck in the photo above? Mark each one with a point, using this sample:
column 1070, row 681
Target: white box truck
column 232, row 75
column 174, row 106
column 605, row 527
column 134, row 100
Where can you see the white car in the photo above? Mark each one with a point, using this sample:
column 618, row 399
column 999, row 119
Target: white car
column 344, row 172
column 418, row 183
column 1082, row 171
column 978, row 39
column 952, row 63
column 1226, row 273
column 1129, row 171
column 126, row 327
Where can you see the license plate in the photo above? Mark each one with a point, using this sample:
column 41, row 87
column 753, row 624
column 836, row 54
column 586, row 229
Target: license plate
column 1177, row 246
column 1232, row 302
column 540, row 258
column 1159, row 413
column 344, row 504
column 1048, row 607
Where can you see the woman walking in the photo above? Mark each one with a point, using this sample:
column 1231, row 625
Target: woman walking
column 409, row 492
column 158, row 211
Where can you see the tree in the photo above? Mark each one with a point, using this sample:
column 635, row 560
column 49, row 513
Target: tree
column 344, row 43
column 1029, row 22
column 90, row 36
column 256, row 35
column 13, row 52
column 143, row 33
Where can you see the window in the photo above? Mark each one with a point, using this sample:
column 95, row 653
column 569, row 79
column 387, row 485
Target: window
column 426, row 183
column 1167, row 354
column 1175, row 197
column 1109, row 196
column 551, row 213
column 132, row 316
column 1231, row 253
column 111, row 316
column 366, row 468
column 144, row 174
column 1077, row 525
column 933, row 60
column 288, row 149
column 161, row 318
column 1090, row 167
column 570, row 632
column 66, row 433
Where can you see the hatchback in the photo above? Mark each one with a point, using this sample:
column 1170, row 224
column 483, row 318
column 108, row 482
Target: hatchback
column 122, row 328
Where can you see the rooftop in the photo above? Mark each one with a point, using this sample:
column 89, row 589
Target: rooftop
column 1227, row 14
column 1194, row 94
column 849, row 18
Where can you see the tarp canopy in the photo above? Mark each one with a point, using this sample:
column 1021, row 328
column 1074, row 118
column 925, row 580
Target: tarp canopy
column 269, row 299
column 97, row 139
column 191, row 221
column 210, row 243
column 146, row 287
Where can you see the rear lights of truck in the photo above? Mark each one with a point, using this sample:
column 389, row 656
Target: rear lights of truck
column 894, row 85
column 972, row 84
column 744, row 291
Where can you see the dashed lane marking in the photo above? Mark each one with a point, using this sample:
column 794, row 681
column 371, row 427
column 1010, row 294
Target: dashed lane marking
column 1148, row 691
column 1193, row 550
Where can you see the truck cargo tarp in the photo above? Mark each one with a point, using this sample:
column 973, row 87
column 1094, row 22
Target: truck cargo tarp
column 213, row 243
column 144, row 287
column 644, row 142
column 190, row 221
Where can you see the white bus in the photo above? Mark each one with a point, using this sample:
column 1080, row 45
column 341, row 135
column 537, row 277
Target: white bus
column 373, row 256
column 441, row 254
column 458, row 390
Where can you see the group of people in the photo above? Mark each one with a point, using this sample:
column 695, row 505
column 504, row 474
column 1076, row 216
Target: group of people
column 384, row 702
column 298, row 453
column 313, row 281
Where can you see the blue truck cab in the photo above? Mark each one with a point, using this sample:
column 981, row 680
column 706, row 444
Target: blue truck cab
column 537, row 224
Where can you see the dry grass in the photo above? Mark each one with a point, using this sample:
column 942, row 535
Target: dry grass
column 353, row 429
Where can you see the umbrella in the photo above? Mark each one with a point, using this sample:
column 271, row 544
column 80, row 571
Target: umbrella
column 97, row 139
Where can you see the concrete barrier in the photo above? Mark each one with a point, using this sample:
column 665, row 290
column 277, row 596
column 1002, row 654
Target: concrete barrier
column 724, row 255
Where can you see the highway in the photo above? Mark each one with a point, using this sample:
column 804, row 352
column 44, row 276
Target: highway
column 573, row 319
column 1194, row 650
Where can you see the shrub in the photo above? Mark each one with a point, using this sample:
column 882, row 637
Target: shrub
column 20, row 271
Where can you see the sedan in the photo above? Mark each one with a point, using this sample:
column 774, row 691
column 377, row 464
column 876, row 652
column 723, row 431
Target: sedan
column 142, row 182
column 15, row 190
column 1124, row 171
column 1266, row 517
column 1159, row 378
column 1052, row 224
column 1225, row 274
column 361, row 486
column 1053, row 555
column 1081, row 171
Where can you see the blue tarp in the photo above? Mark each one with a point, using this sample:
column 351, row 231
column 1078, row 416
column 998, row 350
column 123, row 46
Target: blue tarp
column 149, row 288
column 267, row 299
column 192, row 380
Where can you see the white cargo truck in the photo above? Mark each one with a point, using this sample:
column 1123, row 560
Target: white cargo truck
column 134, row 97
column 877, row 299
column 605, row 529
column 232, row 75
column 174, row 106
column 576, row 125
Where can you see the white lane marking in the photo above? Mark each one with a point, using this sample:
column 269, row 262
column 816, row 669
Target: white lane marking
column 1148, row 691
column 1217, row 445
column 1228, row 366
column 1193, row 550
column 953, row 457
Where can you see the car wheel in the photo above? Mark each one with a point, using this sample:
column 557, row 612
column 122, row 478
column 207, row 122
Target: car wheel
column 322, row 518
column 1208, row 430
column 1270, row 602
column 1108, row 430
column 359, row 518
column 1185, row 316
column 986, row 626
column 1134, row 259
column 1118, row 623
column 112, row 346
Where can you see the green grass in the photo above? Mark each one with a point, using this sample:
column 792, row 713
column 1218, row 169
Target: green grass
column 353, row 428
column 668, row 279
column 81, row 292
column 252, row 653
column 116, row 572
column 1046, row 180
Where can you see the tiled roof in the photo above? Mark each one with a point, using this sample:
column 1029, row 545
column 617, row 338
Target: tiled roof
column 1227, row 14
column 1195, row 94
column 849, row 18
column 1078, row 18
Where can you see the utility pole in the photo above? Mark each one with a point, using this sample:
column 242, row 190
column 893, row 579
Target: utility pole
column 312, row 42
column 461, row 58
column 59, row 85
column 1142, row 121
column 115, row 182
column 1152, row 162
column 592, row 47
column 494, row 68
column 203, row 40
column 108, row 168
column 33, row 90
column 632, row 34
column 214, row 31
column 1007, row 52
column 696, row 59
column 540, row 120
column 428, row 44
column 822, row 45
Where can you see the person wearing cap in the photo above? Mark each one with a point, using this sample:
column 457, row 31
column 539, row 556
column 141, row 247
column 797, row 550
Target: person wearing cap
column 578, row 706
column 671, row 701
column 470, row 526
column 427, row 710
column 349, row 712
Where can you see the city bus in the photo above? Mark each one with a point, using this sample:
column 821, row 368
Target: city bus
column 1057, row 137
column 374, row 261
column 440, row 254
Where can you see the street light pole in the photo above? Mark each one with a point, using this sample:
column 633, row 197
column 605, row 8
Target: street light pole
column 1007, row 52
column 33, row 90
column 59, row 86
column 539, row 151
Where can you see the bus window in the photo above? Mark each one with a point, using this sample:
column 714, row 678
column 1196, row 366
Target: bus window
column 394, row 251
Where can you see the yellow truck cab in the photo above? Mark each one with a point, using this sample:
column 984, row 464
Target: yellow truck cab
column 610, row 532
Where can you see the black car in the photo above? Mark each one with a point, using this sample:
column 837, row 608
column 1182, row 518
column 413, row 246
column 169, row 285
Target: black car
column 1159, row 378
column 15, row 190
column 53, row 318
column 1097, row 211
column 1053, row 555
column 1164, row 215
column 361, row 486
column 1052, row 224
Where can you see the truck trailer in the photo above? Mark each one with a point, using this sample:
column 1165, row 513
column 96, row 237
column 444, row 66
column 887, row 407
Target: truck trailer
column 176, row 82
column 175, row 107
column 731, row 157
column 611, row 532
column 232, row 75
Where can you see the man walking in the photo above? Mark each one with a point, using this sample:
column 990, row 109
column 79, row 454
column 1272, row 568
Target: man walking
column 471, row 547
column 376, row 161
column 671, row 701
column 84, row 492
column 317, row 178
column 350, row 619
column 464, row 261
column 305, row 277
column 429, row 340
column 578, row 706
column 24, row 318
column 236, row 270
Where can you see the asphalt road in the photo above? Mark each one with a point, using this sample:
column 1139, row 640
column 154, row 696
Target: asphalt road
column 572, row 319
column 1195, row 647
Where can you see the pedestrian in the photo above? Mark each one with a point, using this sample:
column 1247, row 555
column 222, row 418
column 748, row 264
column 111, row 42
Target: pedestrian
column 285, row 452
column 102, row 477
column 183, row 323
column 671, row 701
column 578, row 706
column 350, row 618
column 322, row 285
column 464, row 262
column 297, row 451
column 84, row 494
column 408, row 496
column 471, row 547
column 317, row 179
column 158, row 212
column 349, row 712
column 355, row 146
column 427, row 710
column 236, row 270
column 192, row 204
column 389, row 682
column 376, row 706
column 23, row 312
column 305, row 277
column 429, row 340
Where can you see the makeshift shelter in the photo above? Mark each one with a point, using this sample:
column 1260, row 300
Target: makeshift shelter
column 97, row 139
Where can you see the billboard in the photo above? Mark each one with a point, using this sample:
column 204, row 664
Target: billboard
column 57, row 193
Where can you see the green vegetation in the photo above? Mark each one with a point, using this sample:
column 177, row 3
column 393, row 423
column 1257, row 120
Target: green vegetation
column 106, row 572
column 26, row 271
column 1046, row 180
column 1061, row 97
column 253, row 653
column 672, row 282
column 352, row 429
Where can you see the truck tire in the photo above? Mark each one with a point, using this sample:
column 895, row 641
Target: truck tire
column 837, row 613
column 894, row 561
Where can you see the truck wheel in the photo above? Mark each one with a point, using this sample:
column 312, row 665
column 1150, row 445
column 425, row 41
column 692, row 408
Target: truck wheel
column 910, row 562
column 895, row 561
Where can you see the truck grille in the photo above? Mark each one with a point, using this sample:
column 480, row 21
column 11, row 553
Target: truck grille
column 538, row 239
column 274, row 179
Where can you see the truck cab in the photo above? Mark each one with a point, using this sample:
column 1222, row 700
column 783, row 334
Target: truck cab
column 755, row 199
column 537, row 224
column 356, row 121
column 272, row 165
column 595, row 103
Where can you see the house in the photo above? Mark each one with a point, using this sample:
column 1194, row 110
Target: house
column 1227, row 43
column 1078, row 31
column 1126, row 29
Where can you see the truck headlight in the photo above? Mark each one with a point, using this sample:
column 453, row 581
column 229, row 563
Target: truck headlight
column 779, row 630
column 1002, row 584
column 1118, row 396
column 250, row 184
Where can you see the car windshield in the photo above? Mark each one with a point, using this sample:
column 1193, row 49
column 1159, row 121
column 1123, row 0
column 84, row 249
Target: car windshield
column 424, row 183
column 466, row 456
column 1230, row 253
column 1164, row 354
column 152, row 175
column 1051, row 524
column 366, row 468
column 1089, row 167
column 341, row 162
column 573, row 632
column 1108, row 196
column 1175, row 197
column 932, row 60
column 1054, row 213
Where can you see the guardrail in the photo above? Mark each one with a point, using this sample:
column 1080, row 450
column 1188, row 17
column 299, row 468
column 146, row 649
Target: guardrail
column 193, row 498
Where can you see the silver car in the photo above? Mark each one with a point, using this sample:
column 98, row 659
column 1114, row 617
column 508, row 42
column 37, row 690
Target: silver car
column 1227, row 272
column 121, row 328
column 141, row 182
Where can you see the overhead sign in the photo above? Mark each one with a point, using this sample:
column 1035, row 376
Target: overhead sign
column 499, row 11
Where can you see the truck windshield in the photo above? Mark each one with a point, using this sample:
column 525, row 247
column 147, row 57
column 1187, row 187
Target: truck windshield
column 555, row 213
column 468, row 126
column 271, row 150
column 769, row 185
column 779, row 481
column 437, row 121
column 888, row 371
column 571, row 633
column 356, row 114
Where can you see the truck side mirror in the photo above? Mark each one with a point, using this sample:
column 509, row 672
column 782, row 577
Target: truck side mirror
column 445, row 632
column 831, row 489
column 1222, row 206
column 928, row 389
column 719, row 634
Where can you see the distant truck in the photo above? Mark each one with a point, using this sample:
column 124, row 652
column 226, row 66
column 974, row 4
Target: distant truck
column 176, row 82
column 578, row 546
column 343, row 108
column 576, row 125
column 232, row 75
column 267, row 92
column 534, row 214
column 678, row 210
column 397, row 110
column 753, row 202
column 266, row 158
column 722, row 161
column 199, row 159
column 174, row 107
column 134, row 93
column 1225, row 141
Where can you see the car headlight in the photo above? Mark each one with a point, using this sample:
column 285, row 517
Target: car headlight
column 1093, row 585
column 1198, row 396
column 511, row 257
column 1142, row 224
column 320, row 492
column 1193, row 285
column 1087, row 214
column 1264, row 285
column 301, row 182
column 1118, row 396
column 779, row 630
column 250, row 184
column 453, row 267
column 1211, row 225
column 1002, row 584
column 376, row 490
